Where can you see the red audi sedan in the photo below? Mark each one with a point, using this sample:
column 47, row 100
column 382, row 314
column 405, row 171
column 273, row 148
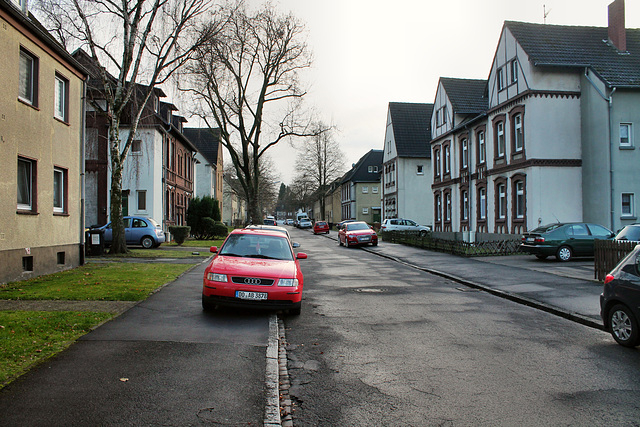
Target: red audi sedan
column 254, row 268
column 357, row 233
column 320, row 227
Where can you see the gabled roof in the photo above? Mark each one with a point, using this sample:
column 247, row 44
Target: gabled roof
column 206, row 141
column 580, row 47
column 467, row 96
column 411, row 128
column 360, row 171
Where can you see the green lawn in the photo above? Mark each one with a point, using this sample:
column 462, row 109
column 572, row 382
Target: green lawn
column 161, row 253
column 30, row 337
column 96, row 281
column 192, row 243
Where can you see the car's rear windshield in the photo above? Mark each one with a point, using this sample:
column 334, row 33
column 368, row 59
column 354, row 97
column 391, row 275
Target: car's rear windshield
column 153, row 221
column 354, row 227
column 257, row 246
column 546, row 228
column 629, row 233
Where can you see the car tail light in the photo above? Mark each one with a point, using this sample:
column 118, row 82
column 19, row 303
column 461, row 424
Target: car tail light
column 539, row 240
column 608, row 279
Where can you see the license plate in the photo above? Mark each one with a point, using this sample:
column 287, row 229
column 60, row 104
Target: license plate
column 530, row 239
column 365, row 239
column 255, row 296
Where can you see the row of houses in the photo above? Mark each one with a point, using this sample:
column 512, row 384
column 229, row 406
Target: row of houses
column 550, row 136
column 55, row 177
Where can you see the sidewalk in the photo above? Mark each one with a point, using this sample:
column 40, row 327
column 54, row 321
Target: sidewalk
column 564, row 289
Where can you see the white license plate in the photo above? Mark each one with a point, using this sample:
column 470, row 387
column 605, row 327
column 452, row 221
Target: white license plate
column 530, row 239
column 255, row 296
column 365, row 239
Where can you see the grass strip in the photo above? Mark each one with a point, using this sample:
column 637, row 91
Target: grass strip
column 161, row 253
column 30, row 337
column 192, row 243
column 118, row 281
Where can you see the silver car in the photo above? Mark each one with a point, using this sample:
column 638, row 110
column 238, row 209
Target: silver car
column 401, row 224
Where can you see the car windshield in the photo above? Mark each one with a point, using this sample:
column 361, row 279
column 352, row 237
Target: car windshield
column 257, row 246
column 357, row 226
column 630, row 232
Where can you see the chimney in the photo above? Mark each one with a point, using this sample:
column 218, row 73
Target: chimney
column 617, row 30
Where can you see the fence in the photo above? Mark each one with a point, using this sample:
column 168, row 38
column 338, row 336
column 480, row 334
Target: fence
column 608, row 253
column 507, row 246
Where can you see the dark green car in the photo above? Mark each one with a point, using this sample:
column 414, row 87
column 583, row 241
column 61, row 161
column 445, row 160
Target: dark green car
column 564, row 240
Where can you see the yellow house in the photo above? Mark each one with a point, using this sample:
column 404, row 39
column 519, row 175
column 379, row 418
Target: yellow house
column 41, row 134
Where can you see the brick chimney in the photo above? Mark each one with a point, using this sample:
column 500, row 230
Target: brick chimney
column 617, row 30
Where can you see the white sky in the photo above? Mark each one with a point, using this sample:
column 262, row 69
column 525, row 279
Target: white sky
column 368, row 53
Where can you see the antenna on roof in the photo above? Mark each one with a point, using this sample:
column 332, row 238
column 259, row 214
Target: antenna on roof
column 545, row 12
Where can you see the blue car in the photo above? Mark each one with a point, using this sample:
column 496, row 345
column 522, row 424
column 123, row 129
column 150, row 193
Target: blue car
column 138, row 231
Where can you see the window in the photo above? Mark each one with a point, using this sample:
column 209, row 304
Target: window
column 370, row 169
column 26, row 185
column 519, row 199
column 628, row 205
column 625, row 135
column 482, row 149
column 482, row 200
column 61, row 98
column 447, row 159
column 419, row 170
column 59, row 190
column 437, row 163
column 465, row 205
column 464, row 152
column 502, row 201
column 513, row 71
column 500, row 139
column 365, row 211
column 365, row 189
column 28, row 78
column 447, row 207
column 517, row 133
column 441, row 116
column 374, row 190
column 500, row 78
column 438, row 207
column 142, row 200
column 136, row 146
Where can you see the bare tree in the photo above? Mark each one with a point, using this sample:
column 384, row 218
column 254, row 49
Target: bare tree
column 321, row 161
column 267, row 192
column 135, row 46
column 246, row 81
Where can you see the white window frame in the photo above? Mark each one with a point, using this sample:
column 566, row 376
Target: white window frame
column 518, row 133
column 482, row 199
column 447, row 159
column 29, row 175
column 513, row 70
column 374, row 189
column 61, row 106
column 502, row 201
column 482, row 148
column 519, row 199
column 419, row 169
column 629, row 138
column 630, row 205
column 465, row 205
column 447, row 207
column 465, row 153
column 501, row 142
column 438, row 207
column 28, row 84
column 136, row 147
column 437, row 162
column 365, row 211
column 365, row 189
column 59, row 177
column 500, row 78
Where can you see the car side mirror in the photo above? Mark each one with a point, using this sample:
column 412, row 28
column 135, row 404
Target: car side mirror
column 213, row 249
column 301, row 255
column 295, row 245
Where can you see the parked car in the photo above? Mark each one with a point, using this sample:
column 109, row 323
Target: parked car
column 304, row 223
column 357, row 233
column 269, row 221
column 629, row 232
column 401, row 224
column 620, row 300
column 341, row 224
column 564, row 240
column 138, row 230
column 288, row 221
column 254, row 268
column 321, row 227
column 274, row 228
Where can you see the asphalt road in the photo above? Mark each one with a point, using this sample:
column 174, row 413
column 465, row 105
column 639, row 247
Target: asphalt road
column 380, row 343
column 163, row 362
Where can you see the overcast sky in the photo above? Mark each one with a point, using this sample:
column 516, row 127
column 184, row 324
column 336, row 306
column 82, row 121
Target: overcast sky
column 368, row 53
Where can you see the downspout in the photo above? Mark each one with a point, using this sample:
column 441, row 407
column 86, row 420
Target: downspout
column 83, row 123
column 609, row 100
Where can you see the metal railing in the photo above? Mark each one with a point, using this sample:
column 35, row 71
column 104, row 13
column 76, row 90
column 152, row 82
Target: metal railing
column 455, row 247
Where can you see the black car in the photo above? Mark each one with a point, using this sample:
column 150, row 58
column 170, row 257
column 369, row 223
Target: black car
column 620, row 300
column 630, row 232
column 564, row 240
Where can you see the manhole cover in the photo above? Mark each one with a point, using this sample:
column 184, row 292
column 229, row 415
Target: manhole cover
column 370, row 290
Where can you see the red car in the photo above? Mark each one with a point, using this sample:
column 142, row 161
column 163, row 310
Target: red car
column 357, row 233
column 254, row 268
column 321, row 227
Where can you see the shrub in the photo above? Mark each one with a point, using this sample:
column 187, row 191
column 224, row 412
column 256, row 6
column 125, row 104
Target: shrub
column 220, row 230
column 199, row 209
column 179, row 233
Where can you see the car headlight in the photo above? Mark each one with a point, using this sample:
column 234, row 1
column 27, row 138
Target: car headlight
column 288, row 282
column 217, row 277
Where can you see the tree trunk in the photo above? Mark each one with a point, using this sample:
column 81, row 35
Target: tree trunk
column 118, row 243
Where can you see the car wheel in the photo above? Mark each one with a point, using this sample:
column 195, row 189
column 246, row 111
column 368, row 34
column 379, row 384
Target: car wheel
column 296, row 310
column 375, row 243
column 423, row 233
column 346, row 242
column 541, row 256
column 564, row 253
column 207, row 306
column 339, row 242
column 147, row 242
column 624, row 326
